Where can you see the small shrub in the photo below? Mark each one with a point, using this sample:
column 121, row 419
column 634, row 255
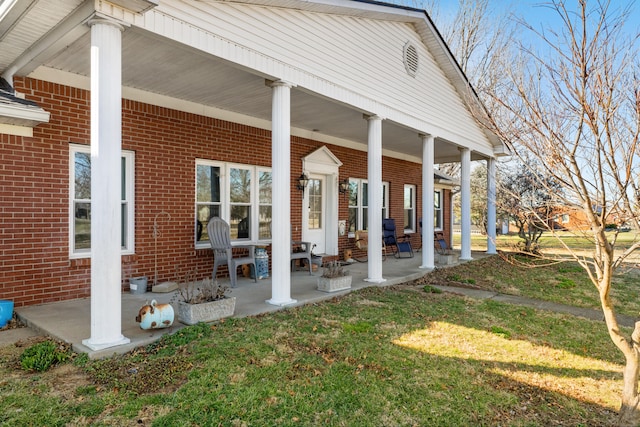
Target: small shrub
column 431, row 290
column 41, row 356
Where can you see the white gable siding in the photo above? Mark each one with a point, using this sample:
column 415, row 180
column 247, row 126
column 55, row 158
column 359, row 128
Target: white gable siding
column 355, row 60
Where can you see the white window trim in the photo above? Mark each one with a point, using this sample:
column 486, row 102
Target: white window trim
column 225, row 203
column 129, row 156
column 385, row 198
column 413, row 206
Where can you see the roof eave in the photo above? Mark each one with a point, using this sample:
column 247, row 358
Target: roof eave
column 21, row 116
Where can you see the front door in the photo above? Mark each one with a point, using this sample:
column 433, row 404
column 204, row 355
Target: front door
column 316, row 213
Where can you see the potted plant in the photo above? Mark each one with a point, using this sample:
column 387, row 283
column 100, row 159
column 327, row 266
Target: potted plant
column 202, row 300
column 334, row 278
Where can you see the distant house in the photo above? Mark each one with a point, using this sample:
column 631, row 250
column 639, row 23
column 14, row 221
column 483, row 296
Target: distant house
column 125, row 125
column 572, row 218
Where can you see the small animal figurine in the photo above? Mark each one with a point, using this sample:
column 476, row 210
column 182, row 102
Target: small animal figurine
column 155, row 316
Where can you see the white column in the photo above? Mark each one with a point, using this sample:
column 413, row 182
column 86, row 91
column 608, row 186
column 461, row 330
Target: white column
column 465, row 204
column 428, row 189
column 106, row 152
column 374, row 192
column 491, row 206
column 281, row 194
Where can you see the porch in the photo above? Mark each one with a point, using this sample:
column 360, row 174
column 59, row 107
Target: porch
column 70, row 321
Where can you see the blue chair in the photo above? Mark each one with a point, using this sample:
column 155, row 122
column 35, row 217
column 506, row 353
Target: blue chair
column 441, row 244
column 401, row 246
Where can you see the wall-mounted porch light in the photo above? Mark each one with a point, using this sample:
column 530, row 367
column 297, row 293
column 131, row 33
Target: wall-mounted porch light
column 302, row 182
column 343, row 186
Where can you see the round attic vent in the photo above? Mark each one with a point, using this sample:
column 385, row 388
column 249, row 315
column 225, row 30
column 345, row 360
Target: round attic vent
column 410, row 58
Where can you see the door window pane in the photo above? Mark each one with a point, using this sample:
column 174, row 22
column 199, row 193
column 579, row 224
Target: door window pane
column 315, row 204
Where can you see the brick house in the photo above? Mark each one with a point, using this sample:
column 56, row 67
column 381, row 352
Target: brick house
column 126, row 125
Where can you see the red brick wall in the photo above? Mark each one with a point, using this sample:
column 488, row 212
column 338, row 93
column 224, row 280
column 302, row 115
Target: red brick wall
column 34, row 198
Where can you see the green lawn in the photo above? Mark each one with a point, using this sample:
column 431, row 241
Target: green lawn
column 550, row 242
column 565, row 283
column 398, row 356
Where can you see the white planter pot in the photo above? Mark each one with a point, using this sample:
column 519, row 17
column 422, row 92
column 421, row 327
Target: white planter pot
column 334, row 284
column 446, row 259
column 191, row 314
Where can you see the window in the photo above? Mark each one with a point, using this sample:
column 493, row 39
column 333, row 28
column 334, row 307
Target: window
column 80, row 201
column 315, row 204
column 437, row 210
column 240, row 203
column 409, row 208
column 264, row 218
column 359, row 204
column 240, row 194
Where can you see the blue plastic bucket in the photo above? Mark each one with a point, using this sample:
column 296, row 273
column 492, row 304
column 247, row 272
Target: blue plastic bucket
column 6, row 312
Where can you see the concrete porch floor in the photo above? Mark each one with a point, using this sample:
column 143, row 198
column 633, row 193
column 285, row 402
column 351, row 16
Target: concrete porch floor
column 70, row 321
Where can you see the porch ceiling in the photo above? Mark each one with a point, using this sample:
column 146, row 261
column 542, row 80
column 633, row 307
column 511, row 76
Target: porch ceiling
column 157, row 66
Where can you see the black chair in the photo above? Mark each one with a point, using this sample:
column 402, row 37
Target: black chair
column 401, row 246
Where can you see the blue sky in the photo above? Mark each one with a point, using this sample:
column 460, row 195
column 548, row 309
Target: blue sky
column 533, row 11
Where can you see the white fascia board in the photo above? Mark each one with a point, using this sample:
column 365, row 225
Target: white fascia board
column 136, row 6
column 23, row 116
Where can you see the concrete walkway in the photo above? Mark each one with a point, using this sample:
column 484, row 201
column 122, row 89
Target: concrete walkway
column 587, row 313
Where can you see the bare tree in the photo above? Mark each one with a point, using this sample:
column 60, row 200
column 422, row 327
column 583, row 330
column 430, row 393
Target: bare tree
column 480, row 37
column 527, row 197
column 574, row 105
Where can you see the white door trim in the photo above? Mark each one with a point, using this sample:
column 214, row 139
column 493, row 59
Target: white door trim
column 323, row 162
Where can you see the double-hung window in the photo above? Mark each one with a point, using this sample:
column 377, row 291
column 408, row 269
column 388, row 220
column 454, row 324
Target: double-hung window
column 264, row 211
column 359, row 204
column 80, row 201
column 239, row 194
column 437, row 210
column 409, row 208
